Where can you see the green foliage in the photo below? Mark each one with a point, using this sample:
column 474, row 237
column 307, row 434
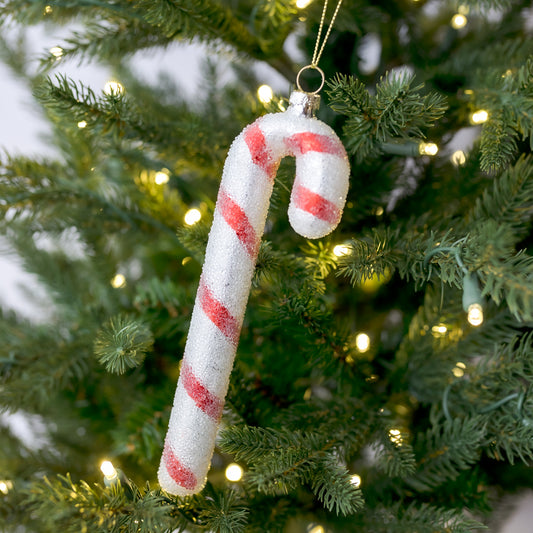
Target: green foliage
column 396, row 111
column 281, row 460
column 509, row 103
column 449, row 447
column 122, row 343
column 60, row 503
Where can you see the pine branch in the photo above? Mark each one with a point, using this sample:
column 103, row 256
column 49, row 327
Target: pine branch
column 62, row 504
column 282, row 460
column 122, row 343
column 448, row 448
column 397, row 111
column 510, row 201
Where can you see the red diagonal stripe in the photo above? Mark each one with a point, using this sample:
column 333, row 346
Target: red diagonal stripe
column 238, row 221
column 301, row 143
column 261, row 155
column 182, row 475
column 218, row 314
column 206, row 401
column 313, row 203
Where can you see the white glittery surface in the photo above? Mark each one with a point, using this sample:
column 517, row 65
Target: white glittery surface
column 228, row 270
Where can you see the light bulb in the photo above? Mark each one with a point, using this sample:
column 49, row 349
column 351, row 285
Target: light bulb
column 355, row 480
column 161, row 177
column 265, row 94
column 458, row 158
column 113, row 87
column 192, row 216
column 56, row 51
column 118, row 281
column 108, row 470
column 475, row 314
column 428, row 148
column 48, row 10
column 362, row 342
column 302, row 4
column 5, row 486
column 439, row 329
column 82, row 124
column 395, row 436
column 313, row 528
column 340, row 250
column 479, row 116
column 234, row 472
column 458, row 21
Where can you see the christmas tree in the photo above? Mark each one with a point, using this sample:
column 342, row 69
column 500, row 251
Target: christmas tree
column 382, row 381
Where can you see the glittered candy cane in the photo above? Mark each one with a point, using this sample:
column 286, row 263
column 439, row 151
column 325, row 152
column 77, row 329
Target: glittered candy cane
column 317, row 199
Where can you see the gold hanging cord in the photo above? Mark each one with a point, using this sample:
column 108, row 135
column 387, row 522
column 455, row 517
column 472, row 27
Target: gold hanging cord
column 319, row 48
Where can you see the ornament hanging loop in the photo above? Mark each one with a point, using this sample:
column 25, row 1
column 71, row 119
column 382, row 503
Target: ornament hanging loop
column 311, row 67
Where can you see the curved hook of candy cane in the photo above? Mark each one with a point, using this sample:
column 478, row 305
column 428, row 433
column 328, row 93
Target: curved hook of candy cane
column 317, row 200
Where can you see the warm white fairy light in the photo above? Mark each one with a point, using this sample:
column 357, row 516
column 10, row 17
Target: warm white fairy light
column 56, row 51
column 265, row 94
column 234, row 472
column 428, row 148
column 315, row 528
column 48, row 10
column 395, row 436
column 82, row 124
column 118, row 281
column 108, row 470
column 161, row 177
column 458, row 158
column 113, row 87
column 192, row 216
column 302, row 4
column 479, row 117
column 458, row 21
column 362, row 342
column 439, row 329
column 340, row 250
column 355, row 480
column 5, row 486
column 475, row 314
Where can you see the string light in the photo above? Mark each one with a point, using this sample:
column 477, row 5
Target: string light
column 302, row 4
column 395, row 436
column 458, row 21
column 475, row 315
column 161, row 177
column 459, row 370
column 458, row 158
column 118, row 281
column 428, row 148
column 82, row 124
column 341, row 249
column 355, row 480
column 113, row 87
column 192, row 216
column 472, row 299
column 234, row 472
column 56, row 51
column 48, row 10
column 362, row 342
column 110, row 473
column 265, row 94
column 5, row 486
column 439, row 330
column 314, row 528
column 479, row 117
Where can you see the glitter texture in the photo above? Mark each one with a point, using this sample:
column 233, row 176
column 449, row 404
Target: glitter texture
column 317, row 200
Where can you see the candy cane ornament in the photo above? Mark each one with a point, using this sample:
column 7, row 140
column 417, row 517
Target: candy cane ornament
column 317, row 200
